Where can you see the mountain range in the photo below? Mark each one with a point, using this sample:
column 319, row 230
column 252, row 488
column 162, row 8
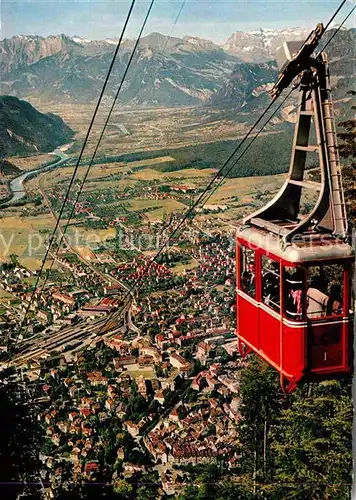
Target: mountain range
column 167, row 71
column 260, row 46
column 249, row 81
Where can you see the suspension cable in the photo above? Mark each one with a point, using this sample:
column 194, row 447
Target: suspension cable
column 221, row 181
column 173, row 235
column 210, row 184
column 168, row 37
column 100, row 138
column 335, row 14
column 255, row 137
column 338, row 29
column 102, row 133
column 190, row 210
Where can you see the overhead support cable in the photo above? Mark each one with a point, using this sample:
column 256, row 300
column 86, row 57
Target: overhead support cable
column 156, row 69
column 62, row 237
column 109, row 116
column 337, row 29
column 200, row 198
column 211, row 183
column 235, row 162
column 101, row 136
column 335, row 14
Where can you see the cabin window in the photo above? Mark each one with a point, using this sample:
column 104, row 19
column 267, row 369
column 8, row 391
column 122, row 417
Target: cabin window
column 294, row 292
column 325, row 291
column 271, row 283
column 248, row 273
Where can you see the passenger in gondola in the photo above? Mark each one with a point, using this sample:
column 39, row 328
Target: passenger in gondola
column 317, row 298
column 249, row 279
column 334, row 305
column 271, row 285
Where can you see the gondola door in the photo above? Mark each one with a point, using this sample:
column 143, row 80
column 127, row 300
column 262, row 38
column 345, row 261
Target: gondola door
column 328, row 320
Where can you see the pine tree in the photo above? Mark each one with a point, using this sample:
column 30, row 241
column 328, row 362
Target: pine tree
column 260, row 405
column 312, row 444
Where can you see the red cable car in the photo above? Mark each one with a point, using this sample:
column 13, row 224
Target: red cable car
column 294, row 270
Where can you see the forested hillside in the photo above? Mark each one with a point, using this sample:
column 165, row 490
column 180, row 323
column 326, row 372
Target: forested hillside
column 270, row 154
column 23, row 129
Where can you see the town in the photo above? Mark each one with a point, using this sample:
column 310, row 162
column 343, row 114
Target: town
column 160, row 385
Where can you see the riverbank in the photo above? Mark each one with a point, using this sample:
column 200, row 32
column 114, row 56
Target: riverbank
column 16, row 185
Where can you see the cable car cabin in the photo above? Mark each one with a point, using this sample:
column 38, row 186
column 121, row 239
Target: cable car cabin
column 294, row 305
column 294, row 263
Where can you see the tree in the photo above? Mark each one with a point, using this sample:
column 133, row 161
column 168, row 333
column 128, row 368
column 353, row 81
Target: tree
column 14, row 260
column 159, row 370
column 260, row 404
column 231, row 490
column 147, row 487
column 222, row 354
column 197, row 367
column 146, row 493
column 188, row 493
column 312, row 444
column 191, row 396
column 123, row 488
column 20, row 439
column 212, row 482
column 208, row 482
column 135, row 352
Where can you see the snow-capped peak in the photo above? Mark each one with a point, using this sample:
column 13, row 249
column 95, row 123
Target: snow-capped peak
column 82, row 41
column 111, row 41
column 262, row 43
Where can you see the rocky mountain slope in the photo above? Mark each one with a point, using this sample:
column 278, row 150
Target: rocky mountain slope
column 8, row 169
column 24, row 129
column 260, row 46
column 20, row 51
column 167, row 70
column 249, row 82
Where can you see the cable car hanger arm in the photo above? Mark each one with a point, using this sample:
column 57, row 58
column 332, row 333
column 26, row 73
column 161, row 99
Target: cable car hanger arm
column 298, row 62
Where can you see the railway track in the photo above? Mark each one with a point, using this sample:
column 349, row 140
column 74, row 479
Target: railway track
column 73, row 334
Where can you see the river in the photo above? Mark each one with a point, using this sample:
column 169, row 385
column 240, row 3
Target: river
column 16, row 185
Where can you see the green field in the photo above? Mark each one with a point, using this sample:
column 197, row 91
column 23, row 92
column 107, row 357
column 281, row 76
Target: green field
column 156, row 209
column 179, row 268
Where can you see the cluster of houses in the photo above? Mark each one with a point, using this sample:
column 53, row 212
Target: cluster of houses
column 200, row 308
column 180, row 432
column 172, row 192
column 185, row 322
column 61, row 302
column 143, row 267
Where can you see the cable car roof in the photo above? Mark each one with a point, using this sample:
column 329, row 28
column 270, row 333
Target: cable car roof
column 306, row 248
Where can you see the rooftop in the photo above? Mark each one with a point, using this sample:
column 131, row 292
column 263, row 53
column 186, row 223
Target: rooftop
column 303, row 248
